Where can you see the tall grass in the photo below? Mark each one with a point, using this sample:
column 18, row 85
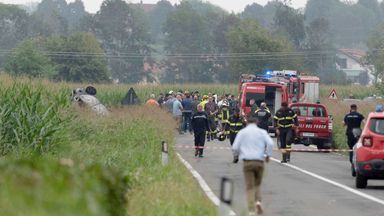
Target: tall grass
column 69, row 161
column 345, row 91
column 338, row 109
column 31, row 119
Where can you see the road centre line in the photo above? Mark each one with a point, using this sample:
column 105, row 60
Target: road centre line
column 207, row 190
column 354, row 191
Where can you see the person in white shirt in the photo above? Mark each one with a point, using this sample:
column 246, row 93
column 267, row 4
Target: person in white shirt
column 253, row 145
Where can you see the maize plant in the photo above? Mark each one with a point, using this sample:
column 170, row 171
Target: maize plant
column 31, row 119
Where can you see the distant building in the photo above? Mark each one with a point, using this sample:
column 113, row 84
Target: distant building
column 146, row 7
column 350, row 61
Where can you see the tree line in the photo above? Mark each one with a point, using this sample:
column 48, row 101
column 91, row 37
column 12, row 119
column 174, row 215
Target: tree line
column 193, row 41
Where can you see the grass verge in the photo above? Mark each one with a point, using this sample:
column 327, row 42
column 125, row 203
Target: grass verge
column 89, row 165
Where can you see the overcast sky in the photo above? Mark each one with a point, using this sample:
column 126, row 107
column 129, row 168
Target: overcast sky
column 230, row 5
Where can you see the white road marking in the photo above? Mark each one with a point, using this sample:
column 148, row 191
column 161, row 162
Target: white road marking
column 207, row 190
column 354, row 191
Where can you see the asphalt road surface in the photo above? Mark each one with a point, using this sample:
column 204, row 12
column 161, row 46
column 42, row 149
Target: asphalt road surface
column 312, row 184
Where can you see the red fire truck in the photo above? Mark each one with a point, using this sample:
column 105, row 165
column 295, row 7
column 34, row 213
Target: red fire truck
column 276, row 87
column 300, row 88
column 262, row 89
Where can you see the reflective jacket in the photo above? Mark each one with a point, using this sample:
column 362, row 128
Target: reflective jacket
column 224, row 114
column 263, row 115
column 235, row 124
column 285, row 118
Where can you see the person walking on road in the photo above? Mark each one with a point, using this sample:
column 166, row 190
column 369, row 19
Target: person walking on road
column 200, row 127
column 236, row 123
column 211, row 109
column 187, row 112
column 285, row 123
column 177, row 113
column 254, row 146
column 194, row 104
column 353, row 122
column 263, row 114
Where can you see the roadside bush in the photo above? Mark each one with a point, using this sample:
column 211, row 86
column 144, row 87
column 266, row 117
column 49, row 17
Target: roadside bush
column 41, row 186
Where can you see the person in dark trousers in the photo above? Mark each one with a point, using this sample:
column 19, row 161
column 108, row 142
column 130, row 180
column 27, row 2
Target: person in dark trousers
column 263, row 115
column 211, row 109
column 285, row 122
column 254, row 107
column 254, row 146
column 353, row 122
column 200, row 127
column 233, row 104
column 187, row 112
column 236, row 123
column 194, row 104
column 224, row 117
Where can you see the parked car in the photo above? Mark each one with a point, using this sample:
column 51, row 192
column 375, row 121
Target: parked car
column 315, row 125
column 368, row 153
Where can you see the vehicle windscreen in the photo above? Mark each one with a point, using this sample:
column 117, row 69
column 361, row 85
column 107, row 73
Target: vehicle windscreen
column 377, row 125
column 309, row 111
column 259, row 97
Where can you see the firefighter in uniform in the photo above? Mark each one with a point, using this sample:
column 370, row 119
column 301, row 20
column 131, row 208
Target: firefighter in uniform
column 285, row 122
column 236, row 123
column 263, row 114
column 224, row 117
column 200, row 127
column 204, row 101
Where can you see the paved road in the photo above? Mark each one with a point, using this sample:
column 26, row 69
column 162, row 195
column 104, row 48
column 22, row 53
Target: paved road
column 287, row 191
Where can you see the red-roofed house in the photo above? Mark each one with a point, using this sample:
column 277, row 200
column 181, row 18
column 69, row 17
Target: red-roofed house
column 146, row 7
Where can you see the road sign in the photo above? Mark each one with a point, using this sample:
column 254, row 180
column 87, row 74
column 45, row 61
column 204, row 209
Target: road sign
column 333, row 95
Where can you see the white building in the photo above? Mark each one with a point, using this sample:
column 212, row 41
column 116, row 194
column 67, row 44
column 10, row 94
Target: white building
column 350, row 62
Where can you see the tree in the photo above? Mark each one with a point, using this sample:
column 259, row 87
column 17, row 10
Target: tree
column 376, row 52
column 75, row 13
column 189, row 41
column 319, row 9
column 78, row 58
column 124, row 33
column 256, row 12
column 373, row 6
column 158, row 17
column 13, row 27
column 221, row 46
column 290, row 22
column 248, row 37
column 53, row 13
column 320, row 55
column 26, row 59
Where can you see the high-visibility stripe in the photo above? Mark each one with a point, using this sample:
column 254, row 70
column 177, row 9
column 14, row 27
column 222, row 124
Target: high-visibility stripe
column 236, row 124
column 284, row 126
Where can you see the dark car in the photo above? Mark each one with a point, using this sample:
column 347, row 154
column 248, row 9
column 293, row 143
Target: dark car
column 368, row 158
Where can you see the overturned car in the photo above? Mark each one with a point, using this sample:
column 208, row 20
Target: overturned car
column 87, row 97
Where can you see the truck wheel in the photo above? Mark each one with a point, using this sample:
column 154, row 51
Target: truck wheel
column 353, row 171
column 321, row 145
column 361, row 181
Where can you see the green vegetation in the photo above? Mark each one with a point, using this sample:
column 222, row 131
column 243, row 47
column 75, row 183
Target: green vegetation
column 68, row 161
column 74, row 58
column 193, row 41
column 338, row 109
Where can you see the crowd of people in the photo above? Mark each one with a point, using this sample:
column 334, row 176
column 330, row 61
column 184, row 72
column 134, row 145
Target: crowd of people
column 183, row 104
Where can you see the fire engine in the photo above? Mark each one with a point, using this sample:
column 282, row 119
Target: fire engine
column 275, row 87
